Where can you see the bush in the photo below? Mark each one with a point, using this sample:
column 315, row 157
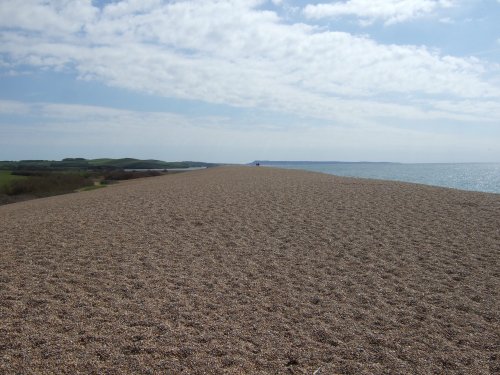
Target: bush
column 29, row 173
column 47, row 184
column 128, row 175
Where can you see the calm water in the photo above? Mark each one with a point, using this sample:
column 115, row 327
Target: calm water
column 466, row 176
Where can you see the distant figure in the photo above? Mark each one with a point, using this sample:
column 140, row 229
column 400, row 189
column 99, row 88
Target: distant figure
column 257, row 164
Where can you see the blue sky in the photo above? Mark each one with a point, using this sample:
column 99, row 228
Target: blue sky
column 238, row 80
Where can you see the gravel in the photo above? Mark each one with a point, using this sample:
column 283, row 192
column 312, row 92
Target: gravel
column 251, row 270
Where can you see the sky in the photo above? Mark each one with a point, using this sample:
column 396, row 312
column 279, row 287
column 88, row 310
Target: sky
column 239, row 80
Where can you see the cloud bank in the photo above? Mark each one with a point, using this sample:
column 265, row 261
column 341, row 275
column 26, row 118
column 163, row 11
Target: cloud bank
column 236, row 52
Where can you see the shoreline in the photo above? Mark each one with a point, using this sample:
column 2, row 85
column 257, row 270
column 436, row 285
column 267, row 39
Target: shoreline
column 448, row 185
column 382, row 180
column 25, row 198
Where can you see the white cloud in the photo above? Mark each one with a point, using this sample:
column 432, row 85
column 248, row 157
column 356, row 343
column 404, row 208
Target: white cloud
column 233, row 52
column 369, row 11
column 52, row 17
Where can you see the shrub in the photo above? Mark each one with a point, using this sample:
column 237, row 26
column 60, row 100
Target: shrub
column 128, row 175
column 29, row 173
column 47, row 184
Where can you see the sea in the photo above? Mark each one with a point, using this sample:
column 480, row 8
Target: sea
column 484, row 177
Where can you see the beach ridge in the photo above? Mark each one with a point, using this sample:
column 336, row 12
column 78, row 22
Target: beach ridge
column 252, row 270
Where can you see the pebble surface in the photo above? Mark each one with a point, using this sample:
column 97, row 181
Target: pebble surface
column 251, row 270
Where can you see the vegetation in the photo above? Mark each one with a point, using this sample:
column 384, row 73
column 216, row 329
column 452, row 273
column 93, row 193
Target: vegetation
column 97, row 164
column 6, row 177
column 38, row 178
column 116, row 175
column 45, row 184
column 27, row 179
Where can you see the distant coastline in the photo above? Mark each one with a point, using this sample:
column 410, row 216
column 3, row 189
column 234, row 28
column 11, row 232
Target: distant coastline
column 300, row 162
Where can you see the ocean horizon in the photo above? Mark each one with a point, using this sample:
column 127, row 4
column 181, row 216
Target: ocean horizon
column 482, row 177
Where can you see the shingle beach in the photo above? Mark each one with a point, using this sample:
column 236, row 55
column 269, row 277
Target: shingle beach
column 251, row 270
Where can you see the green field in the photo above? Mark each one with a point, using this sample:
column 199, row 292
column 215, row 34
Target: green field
column 6, row 178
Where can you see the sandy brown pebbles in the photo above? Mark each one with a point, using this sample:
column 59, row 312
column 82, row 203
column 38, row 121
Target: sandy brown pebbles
column 251, row 270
